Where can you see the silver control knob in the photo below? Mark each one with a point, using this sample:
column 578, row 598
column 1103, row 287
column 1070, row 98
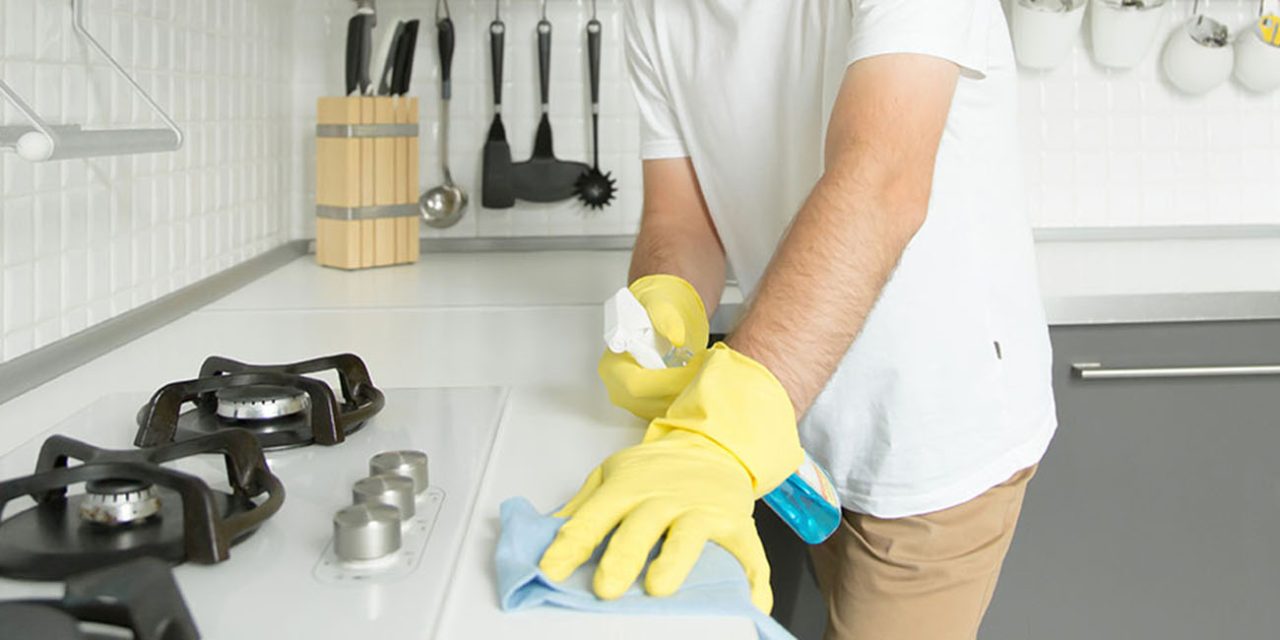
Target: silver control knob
column 366, row 531
column 410, row 464
column 384, row 488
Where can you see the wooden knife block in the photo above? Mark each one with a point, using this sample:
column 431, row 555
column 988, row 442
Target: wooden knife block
column 366, row 181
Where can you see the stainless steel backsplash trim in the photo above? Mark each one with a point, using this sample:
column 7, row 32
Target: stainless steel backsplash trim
column 520, row 244
column 33, row 369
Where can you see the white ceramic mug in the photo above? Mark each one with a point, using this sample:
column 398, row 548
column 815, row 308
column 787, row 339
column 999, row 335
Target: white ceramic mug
column 1198, row 56
column 1257, row 51
column 1122, row 33
column 1044, row 30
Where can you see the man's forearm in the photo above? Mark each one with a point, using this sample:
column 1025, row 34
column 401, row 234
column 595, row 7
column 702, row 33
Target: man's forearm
column 827, row 274
column 667, row 248
column 820, row 287
column 676, row 235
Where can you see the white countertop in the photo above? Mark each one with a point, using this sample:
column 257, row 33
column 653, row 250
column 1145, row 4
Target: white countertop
column 448, row 280
column 549, row 439
column 528, row 321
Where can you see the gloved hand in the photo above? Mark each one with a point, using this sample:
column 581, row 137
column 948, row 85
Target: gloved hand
column 677, row 314
column 728, row 439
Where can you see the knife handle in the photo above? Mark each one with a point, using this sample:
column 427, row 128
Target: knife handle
column 593, row 59
column 497, row 35
column 353, row 55
column 544, row 61
column 444, row 33
column 366, row 52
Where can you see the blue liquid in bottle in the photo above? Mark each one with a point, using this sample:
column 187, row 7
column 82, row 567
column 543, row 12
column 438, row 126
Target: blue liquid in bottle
column 807, row 502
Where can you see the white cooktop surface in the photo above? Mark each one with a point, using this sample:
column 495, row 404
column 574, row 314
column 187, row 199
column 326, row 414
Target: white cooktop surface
column 268, row 588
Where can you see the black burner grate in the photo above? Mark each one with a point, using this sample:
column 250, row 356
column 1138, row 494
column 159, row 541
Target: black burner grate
column 305, row 409
column 52, row 541
column 139, row 597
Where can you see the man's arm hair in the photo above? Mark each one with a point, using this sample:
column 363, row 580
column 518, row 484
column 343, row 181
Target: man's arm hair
column 677, row 235
column 848, row 236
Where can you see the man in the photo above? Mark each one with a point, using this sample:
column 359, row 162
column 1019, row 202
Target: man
column 855, row 161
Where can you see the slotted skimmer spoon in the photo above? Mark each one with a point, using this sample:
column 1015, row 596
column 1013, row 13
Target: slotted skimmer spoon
column 595, row 188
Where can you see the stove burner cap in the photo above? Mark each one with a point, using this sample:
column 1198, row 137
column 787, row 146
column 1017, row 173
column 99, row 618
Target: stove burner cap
column 118, row 501
column 260, row 402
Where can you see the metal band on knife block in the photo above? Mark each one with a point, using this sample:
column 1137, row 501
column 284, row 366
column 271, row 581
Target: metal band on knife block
column 366, row 213
column 367, row 130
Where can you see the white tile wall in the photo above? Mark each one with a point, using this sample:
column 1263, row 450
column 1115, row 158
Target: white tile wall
column 1123, row 148
column 84, row 240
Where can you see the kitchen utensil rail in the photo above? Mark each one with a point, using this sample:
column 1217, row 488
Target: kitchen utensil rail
column 1095, row 371
column 42, row 142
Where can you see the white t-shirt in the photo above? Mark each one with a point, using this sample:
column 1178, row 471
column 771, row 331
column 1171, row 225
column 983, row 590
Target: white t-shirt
column 946, row 392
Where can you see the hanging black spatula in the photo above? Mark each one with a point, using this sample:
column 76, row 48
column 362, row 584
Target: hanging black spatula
column 595, row 188
column 495, row 178
column 543, row 178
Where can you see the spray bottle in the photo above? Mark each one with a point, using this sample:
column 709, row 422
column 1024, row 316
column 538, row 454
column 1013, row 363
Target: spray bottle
column 806, row 500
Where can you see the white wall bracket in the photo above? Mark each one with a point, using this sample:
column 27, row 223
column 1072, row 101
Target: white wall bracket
column 42, row 141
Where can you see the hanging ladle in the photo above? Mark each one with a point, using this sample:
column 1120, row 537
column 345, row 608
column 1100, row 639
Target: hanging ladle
column 442, row 206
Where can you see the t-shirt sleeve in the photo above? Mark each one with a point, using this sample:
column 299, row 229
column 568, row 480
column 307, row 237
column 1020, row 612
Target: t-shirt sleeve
column 660, row 135
column 955, row 30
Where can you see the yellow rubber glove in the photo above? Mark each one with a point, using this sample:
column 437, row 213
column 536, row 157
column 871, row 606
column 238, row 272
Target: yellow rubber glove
column 677, row 314
column 728, row 439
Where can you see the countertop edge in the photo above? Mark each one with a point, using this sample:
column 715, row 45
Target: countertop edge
column 1225, row 306
column 1154, row 308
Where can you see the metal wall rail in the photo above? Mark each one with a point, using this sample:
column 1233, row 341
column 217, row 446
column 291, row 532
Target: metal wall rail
column 42, row 141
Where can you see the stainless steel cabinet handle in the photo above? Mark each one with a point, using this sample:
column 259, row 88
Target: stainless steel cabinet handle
column 1095, row 371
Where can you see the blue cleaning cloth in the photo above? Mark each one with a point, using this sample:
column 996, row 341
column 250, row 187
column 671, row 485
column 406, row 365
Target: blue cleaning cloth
column 716, row 586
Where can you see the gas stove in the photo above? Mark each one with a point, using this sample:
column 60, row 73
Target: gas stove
column 284, row 406
column 283, row 580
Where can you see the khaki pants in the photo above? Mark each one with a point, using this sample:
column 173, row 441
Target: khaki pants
column 925, row 577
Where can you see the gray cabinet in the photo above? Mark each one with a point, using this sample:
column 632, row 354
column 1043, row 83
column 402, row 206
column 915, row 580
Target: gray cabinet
column 1156, row 512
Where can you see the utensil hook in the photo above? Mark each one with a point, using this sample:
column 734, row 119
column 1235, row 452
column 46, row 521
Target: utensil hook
column 593, row 9
column 497, row 10
column 77, row 10
column 446, row 9
column 70, row 141
column 1195, row 12
column 544, row 10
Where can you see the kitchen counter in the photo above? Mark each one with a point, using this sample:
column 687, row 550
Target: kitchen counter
column 549, row 439
column 463, row 320
column 529, row 322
